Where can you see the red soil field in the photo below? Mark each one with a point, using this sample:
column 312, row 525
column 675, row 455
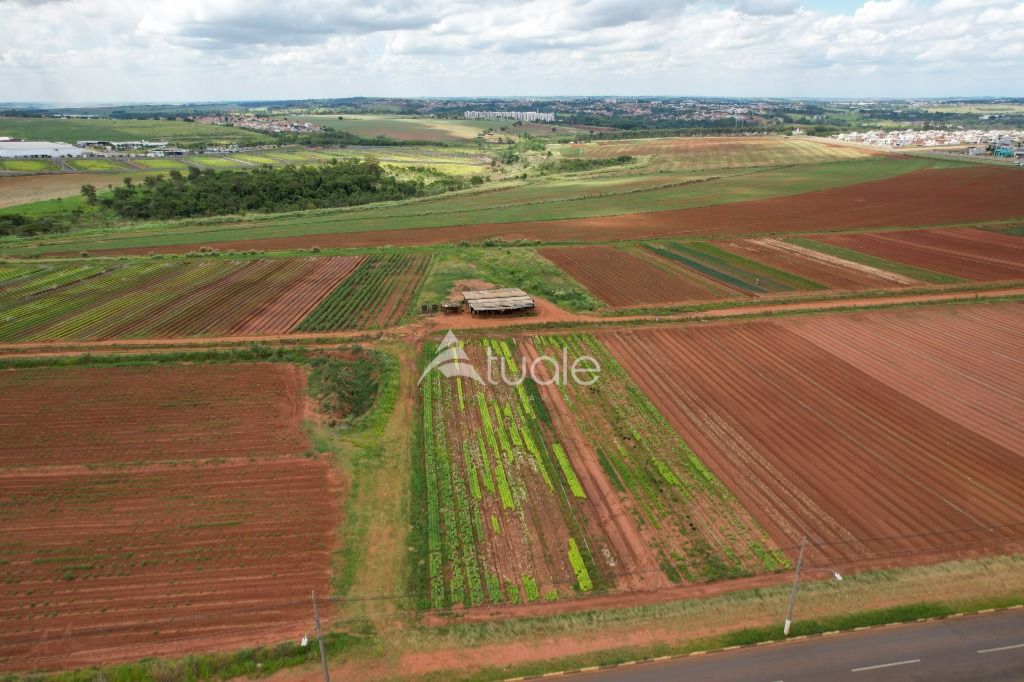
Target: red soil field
column 813, row 445
column 963, row 252
column 160, row 561
column 835, row 273
column 622, row 279
column 928, row 197
column 282, row 314
column 154, row 413
column 962, row 362
column 212, row 550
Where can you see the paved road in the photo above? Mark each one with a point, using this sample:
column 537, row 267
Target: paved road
column 987, row 647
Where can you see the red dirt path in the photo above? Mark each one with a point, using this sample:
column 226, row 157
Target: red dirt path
column 928, row 197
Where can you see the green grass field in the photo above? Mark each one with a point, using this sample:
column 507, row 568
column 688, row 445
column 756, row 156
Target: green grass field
column 46, row 207
column 28, row 165
column 705, row 153
column 161, row 164
column 254, row 158
column 538, row 200
column 72, row 130
column 431, row 129
column 401, row 128
column 97, row 165
column 505, row 266
column 215, row 162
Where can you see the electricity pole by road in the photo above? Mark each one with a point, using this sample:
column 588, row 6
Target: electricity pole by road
column 320, row 638
column 796, row 583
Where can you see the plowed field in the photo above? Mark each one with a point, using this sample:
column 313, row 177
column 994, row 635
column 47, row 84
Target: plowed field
column 167, row 299
column 893, row 454
column 928, row 197
column 963, row 252
column 147, row 414
column 215, row 547
column 836, row 273
column 622, row 279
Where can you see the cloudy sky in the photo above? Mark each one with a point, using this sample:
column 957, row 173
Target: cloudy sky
column 73, row 51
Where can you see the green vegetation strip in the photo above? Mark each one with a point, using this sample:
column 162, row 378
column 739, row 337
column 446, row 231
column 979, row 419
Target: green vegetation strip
column 875, row 262
column 733, row 270
column 365, row 298
column 543, row 200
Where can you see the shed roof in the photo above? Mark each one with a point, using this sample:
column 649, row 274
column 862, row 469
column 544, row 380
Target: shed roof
column 492, row 300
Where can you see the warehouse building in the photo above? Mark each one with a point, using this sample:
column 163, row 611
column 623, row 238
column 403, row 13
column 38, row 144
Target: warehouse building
column 37, row 150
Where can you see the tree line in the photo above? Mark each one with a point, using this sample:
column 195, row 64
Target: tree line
column 261, row 190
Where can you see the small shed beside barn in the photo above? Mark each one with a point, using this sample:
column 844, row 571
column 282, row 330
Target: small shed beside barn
column 498, row 301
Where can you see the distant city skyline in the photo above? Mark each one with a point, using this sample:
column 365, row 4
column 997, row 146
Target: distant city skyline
column 91, row 51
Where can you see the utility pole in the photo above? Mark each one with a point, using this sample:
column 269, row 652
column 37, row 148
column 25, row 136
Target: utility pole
column 320, row 638
column 796, row 584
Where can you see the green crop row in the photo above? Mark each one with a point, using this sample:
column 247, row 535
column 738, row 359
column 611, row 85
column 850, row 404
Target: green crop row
column 567, row 471
column 699, row 529
column 376, row 294
column 583, row 580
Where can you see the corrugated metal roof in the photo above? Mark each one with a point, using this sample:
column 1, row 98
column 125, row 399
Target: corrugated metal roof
column 496, row 300
column 493, row 293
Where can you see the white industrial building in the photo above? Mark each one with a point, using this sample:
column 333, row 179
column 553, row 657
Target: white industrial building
column 37, row 150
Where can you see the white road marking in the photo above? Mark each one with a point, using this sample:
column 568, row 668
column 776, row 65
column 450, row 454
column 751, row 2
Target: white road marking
column 884, row 665
column 1001, row 648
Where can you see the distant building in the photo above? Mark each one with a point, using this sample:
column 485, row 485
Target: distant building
column 37, row 150
column 524, row 116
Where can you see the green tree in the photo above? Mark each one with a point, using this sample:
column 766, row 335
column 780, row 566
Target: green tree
column 89, row 192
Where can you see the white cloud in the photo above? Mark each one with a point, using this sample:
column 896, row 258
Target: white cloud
column 89, row 50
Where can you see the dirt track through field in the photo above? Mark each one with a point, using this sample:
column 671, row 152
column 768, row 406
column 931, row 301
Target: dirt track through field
column 927, row 197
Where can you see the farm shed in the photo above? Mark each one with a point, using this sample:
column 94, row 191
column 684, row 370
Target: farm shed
column 498, row 301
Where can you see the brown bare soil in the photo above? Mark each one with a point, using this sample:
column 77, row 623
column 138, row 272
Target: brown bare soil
column 282, row 314
column 961, row 362
column 928, row 197
column 217, row 548
column 91, row 415
column 964, row 252
column 22, row 189
column 815, row 446
column 622, row 279
column 835, row 273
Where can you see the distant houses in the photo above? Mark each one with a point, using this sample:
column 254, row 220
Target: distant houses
column 524, row 116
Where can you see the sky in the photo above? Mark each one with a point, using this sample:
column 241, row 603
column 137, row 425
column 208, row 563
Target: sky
column 88, row 51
